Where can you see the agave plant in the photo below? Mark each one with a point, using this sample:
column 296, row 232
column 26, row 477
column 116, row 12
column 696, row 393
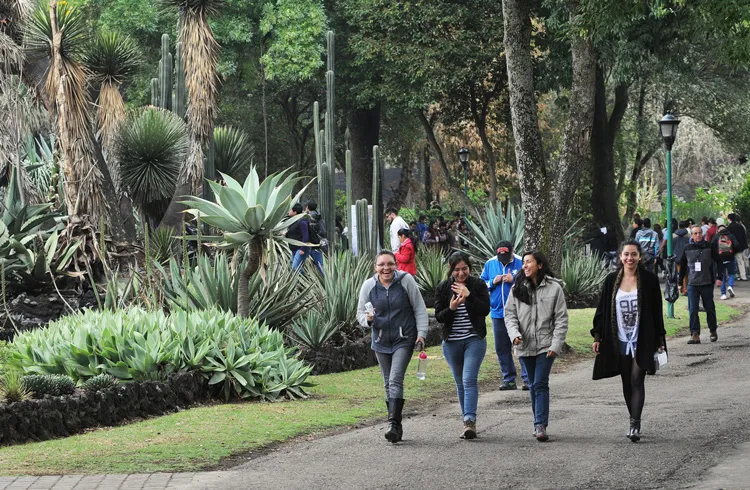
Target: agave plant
column 583, row 275
column 234, row 152
column 151, row 148
column 431, row 269
column 112, row 59
column 493, row 226
column 314, row 329
column 251, row 216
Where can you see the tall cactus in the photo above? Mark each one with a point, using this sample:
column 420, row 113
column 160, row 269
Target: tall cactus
column 179, row 99
column 165, row 74
column 349, row 218
column 155, row 92
column 363, row 230
column 330, row 142
column 377, row 214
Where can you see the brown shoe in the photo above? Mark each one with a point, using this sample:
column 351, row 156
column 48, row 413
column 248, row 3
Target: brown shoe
column 695, row 339
column 470, row 430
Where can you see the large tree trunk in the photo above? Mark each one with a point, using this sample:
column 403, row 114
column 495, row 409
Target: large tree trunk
column 603, row 135
column 546, row 194
column 642, row 156
column 398, row 198
column 480, row 119
column 427, row 176
column 454, row 187
column 364, row 133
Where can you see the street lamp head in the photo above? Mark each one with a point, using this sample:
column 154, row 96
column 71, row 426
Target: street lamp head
column 463, row 157
column 668, row 125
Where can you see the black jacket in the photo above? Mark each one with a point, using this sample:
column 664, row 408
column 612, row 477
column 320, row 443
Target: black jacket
column 738, row 231
column 704, row 253
column 477, row 305
column 651, row 332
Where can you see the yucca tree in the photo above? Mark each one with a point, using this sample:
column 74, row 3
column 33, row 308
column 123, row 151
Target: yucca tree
column 252, row 217
column 60, row 34
column 200, row 54
column 151, row 147
column 234, row 152
column 112, row 59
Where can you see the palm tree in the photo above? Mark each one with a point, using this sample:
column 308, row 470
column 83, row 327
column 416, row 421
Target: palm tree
column 200, row 53
column 151, row 147
column 253, row 217
column 112, row 59
column 60, row 35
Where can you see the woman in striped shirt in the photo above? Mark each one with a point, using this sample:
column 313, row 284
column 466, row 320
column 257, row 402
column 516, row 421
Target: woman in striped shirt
column 462, row 303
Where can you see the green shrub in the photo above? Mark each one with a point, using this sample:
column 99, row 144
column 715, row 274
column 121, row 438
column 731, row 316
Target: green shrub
column 49, row 384
column 12, row 388
column 583, row 275
column 238, row 356
column 313, row 329
column 741, row 202
column 100, row 382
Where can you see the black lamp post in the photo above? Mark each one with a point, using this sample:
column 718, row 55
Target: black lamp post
column 668, row 125
column 463, row 157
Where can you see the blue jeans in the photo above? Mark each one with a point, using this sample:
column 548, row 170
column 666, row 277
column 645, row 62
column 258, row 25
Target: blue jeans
column 539, row 368
column 504, row 351
column 298, row 259
column 464, row 358
column 696, row 293
column 726, row 274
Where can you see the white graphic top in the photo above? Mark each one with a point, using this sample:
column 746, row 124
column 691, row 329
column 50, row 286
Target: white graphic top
column 627, row 320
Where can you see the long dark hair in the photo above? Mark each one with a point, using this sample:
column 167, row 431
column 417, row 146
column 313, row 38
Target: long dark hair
column 455, row 258
column 523, row 287
column 410, row 235
column 634, row 243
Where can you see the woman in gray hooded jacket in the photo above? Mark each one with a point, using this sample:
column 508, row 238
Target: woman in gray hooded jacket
column 536, row 317
column 391, row 305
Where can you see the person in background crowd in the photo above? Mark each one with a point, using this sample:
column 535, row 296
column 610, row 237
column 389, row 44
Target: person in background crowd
column 317, row 234
column 712, row 230
column 397, row 223
column 735, row 228
column 704, row 225
column 422, row 226
column 461, row 306
column 537, row 320
column 724, row 245
column 391, row 305
column 699, row 265
column 407, row 252
column 660, row 251
column 433, row 237
column 300, row 231
column 680, row 240
column 465, row 232
column 628, row 329
column 649, row 241
column 499, row 273
column 637, row 223
column 454, row 240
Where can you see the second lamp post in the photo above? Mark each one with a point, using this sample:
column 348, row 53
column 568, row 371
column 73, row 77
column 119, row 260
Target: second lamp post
column 463, row 157
column 668, row 125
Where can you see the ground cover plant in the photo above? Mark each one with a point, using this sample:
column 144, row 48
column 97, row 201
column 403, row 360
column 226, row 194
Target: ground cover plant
column 201, row 437
column 240, row 357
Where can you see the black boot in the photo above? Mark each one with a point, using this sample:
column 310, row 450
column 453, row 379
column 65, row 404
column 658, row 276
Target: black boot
column 395, row 431
column 635, row 430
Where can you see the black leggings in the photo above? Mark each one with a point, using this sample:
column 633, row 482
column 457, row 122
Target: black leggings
column 633, row 387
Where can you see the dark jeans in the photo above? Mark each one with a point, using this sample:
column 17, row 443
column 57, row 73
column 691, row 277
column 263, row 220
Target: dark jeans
column 504, row 351
column 695, row 294
column 539, row 368
column 726, row 274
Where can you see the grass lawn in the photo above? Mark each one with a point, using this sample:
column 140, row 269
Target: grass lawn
column 201, row 437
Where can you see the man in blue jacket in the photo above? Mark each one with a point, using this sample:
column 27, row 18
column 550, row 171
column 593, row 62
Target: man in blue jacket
column 499, row 273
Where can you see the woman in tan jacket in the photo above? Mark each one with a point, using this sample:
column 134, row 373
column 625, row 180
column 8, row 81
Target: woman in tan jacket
column 536, row 317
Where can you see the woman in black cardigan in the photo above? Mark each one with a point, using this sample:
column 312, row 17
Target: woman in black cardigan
column 462, row 303
column 629, row 329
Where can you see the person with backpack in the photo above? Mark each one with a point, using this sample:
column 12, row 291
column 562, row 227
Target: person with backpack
column 318, row 235
column 407, row 253
column 725, row 244
column 649, row 241
column 735, row 228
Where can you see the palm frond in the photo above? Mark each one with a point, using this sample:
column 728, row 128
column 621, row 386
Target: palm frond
column 205, row 6
column 73, row 29
column 151, row 148
column 112, row 57
column 234, row 152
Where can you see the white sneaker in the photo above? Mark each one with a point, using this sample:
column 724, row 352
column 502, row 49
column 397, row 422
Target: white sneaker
column 730, row 290
column 723, row 296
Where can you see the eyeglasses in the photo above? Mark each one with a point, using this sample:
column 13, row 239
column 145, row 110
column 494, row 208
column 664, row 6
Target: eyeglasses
column 388, row 264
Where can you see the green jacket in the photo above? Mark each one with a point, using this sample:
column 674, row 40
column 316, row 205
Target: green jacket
column 543, row 324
